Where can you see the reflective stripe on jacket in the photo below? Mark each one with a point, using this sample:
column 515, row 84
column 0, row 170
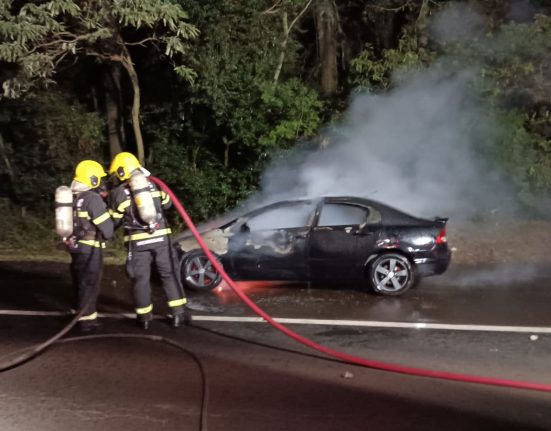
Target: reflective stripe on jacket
column 91, row 220
column 123, row 210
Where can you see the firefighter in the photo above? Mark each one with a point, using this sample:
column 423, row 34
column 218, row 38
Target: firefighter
column 147, row 238
column 92, row 224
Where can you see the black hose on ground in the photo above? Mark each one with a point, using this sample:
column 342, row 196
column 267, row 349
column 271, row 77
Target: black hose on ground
column 30, row 353
column 24, row 355
column 160, row 339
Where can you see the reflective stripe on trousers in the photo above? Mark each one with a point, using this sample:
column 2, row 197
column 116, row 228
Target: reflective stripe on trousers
column 147, row 235
column 92, row 316
column 138, row 267
column 145, row 310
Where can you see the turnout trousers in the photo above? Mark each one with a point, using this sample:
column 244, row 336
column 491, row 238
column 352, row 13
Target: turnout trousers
column 138, row 267
column 86, row 269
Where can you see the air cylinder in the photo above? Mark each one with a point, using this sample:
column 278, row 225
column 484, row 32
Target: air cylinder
column 143, row 198
column 63, row 211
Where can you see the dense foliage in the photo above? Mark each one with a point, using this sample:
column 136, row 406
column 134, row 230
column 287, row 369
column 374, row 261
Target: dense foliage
column 223, row 85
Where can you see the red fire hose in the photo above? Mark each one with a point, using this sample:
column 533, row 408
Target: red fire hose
column 395, row 368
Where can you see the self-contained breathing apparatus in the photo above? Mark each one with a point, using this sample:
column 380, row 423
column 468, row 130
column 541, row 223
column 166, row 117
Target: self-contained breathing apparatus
column 141, row 194
column 75, row 219
column 64, row 212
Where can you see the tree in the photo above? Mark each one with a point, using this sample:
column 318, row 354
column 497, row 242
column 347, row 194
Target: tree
column 236, row 57
column 39, row 37
column 327, row 31
column 393, row 49
column 114, row 108
column 282, row 7
column 44, row 135
column 514, row 64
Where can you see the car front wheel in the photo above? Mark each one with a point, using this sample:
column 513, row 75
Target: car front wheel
column 391, row 274
column 197, row 271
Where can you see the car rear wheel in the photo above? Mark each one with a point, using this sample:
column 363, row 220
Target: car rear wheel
column 197, row 271
column 391, row 274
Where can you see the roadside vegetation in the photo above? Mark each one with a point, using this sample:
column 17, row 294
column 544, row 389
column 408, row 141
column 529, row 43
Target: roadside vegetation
column 208, row 92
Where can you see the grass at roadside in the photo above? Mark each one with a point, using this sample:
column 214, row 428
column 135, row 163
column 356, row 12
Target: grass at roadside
column 28, row 237
column 521, row 241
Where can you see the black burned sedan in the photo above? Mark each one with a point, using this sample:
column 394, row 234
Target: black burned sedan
column 326, row 239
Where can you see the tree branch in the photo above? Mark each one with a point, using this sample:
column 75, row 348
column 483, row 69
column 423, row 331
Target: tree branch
column 298, row 16
column 272, row 9
column 142, row 42
column 60, row 59
column 388, row 9
column 286, row 31
column 75, row 39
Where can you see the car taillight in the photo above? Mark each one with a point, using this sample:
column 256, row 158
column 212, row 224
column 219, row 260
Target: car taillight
column 441, row 238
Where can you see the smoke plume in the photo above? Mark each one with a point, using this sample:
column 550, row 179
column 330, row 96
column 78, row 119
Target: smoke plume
column 414, row 148
column 417, row 148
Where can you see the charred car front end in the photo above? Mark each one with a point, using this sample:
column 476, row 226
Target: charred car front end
column 326, row 239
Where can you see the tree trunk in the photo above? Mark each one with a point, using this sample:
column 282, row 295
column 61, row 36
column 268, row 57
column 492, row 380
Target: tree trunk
column 112, row 109
column 286, row 32
column 9, row 170
column 327, row 26
column 120, row 102
column 194, row 156
column 129, row 66
column 6, row 160
column 283, row 46
column 227, row 144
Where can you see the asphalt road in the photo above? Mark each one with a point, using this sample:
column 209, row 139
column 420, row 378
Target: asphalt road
column 258, row 379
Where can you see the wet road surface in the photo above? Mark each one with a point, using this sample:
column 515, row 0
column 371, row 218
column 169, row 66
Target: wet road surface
column 257, row 378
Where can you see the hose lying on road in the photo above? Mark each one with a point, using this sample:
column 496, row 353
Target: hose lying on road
column 395, row 368
column 22, row 356
column 160, row 339
column 25, row 355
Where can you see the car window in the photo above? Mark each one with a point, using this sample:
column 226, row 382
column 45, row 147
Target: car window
column 284, row 217
column 374, row 216
column 342, row 215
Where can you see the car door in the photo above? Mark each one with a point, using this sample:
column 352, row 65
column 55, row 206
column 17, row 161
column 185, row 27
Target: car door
column 273, row 243
column 341, row 240
column 243, row 257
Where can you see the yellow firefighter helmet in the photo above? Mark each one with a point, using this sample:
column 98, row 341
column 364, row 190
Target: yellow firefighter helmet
column 123, row 165
column 89, row 173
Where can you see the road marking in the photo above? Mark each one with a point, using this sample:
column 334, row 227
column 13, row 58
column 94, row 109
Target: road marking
column 61, row 313
column 381, row 324
column 323, row 322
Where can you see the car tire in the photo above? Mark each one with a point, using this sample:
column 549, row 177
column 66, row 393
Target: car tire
column 197, row 271
column 391, row 274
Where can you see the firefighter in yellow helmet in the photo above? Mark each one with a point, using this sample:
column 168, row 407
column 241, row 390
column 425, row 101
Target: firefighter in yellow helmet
column 148, row 240
column 92, row 224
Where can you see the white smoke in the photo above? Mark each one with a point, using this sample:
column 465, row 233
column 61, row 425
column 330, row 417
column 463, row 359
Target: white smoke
column 413, row 148
column 417, row 148
column 500, row 275
column 458, row 22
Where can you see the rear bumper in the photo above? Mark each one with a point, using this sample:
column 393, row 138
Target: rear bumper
column 433, row 265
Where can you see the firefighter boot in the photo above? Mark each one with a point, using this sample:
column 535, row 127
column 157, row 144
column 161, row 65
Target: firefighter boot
column 187, row 316
column 177, row 320
column 181, row 317
column 144, row 323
